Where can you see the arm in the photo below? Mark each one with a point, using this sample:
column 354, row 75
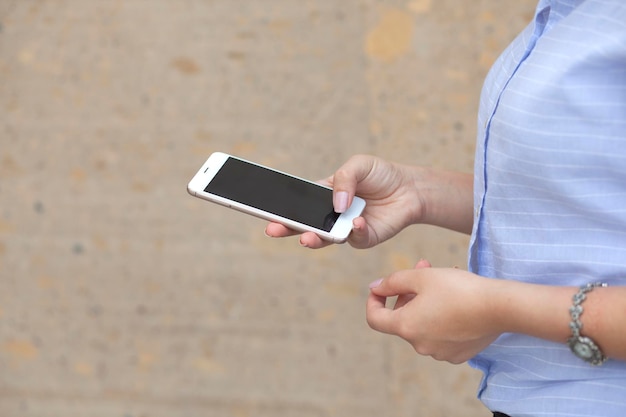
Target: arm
column 543, row 311
column 447, row 199
column 397, row 196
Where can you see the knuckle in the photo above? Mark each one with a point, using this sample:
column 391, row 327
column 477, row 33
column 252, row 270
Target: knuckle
column 429, row 349
column 404, row 331
column 370, row 321
column 422, row 350
column 342, row 174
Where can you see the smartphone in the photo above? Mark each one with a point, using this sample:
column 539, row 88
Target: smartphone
column 272, row 195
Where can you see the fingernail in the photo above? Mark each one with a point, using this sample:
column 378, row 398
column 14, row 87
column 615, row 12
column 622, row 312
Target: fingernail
column 341, row 201
column 304, row 245
column 376, row 283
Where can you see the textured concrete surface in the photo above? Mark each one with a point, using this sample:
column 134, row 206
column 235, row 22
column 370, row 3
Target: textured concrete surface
column 120, row 295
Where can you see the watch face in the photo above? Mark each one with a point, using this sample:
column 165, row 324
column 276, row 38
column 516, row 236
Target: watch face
column 587, row 350
column 582, row 350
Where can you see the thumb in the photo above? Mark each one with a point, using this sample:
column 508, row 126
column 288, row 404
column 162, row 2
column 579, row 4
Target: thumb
column 346, row 179
column 378, row 316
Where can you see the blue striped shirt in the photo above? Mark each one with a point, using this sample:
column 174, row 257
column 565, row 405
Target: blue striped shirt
column 550, row 196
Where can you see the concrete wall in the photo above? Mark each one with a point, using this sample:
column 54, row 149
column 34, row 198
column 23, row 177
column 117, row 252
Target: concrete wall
column 120, row 295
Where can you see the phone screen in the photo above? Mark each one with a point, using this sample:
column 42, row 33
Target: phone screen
column 275, row 192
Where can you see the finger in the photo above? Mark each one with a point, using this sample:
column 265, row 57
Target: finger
column 307, row 239
column 422, row 263
column 378, row 316
column 313, row 241
column 278, row 230
column 360, row 236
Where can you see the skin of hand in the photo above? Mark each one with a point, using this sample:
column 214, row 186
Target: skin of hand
column 438, row 311
column 397, row 196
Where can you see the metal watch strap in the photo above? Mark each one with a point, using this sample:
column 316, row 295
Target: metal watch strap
column 582, row 346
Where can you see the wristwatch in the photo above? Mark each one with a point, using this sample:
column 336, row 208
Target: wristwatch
column 583, row 347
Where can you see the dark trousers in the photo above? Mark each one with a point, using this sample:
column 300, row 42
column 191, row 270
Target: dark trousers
column 496, row 414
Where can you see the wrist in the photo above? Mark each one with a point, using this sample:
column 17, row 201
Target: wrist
column 445, row 199
column 536, row 310
column 542, row 311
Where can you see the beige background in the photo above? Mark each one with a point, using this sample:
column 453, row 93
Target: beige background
column 120, row 295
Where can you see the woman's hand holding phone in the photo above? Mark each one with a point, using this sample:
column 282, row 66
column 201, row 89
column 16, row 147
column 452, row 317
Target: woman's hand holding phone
column 393, row 201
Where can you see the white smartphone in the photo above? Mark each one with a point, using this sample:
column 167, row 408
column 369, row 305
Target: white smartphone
column 272, row 195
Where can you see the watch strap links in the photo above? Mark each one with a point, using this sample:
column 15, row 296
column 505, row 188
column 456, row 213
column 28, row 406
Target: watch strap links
column 582, row 346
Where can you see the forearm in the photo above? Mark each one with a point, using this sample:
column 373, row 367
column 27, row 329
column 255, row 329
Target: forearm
column 447, row 198
column 543, row 311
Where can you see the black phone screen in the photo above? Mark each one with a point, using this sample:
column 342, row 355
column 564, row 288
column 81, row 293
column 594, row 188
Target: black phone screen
column 275, row 192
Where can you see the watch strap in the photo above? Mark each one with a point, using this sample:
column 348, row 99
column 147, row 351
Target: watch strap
column 582, row 346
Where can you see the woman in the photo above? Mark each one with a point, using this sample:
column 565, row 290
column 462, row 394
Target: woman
column 542, row 310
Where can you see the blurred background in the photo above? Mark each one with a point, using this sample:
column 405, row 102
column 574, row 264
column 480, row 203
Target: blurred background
column 121, row 295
